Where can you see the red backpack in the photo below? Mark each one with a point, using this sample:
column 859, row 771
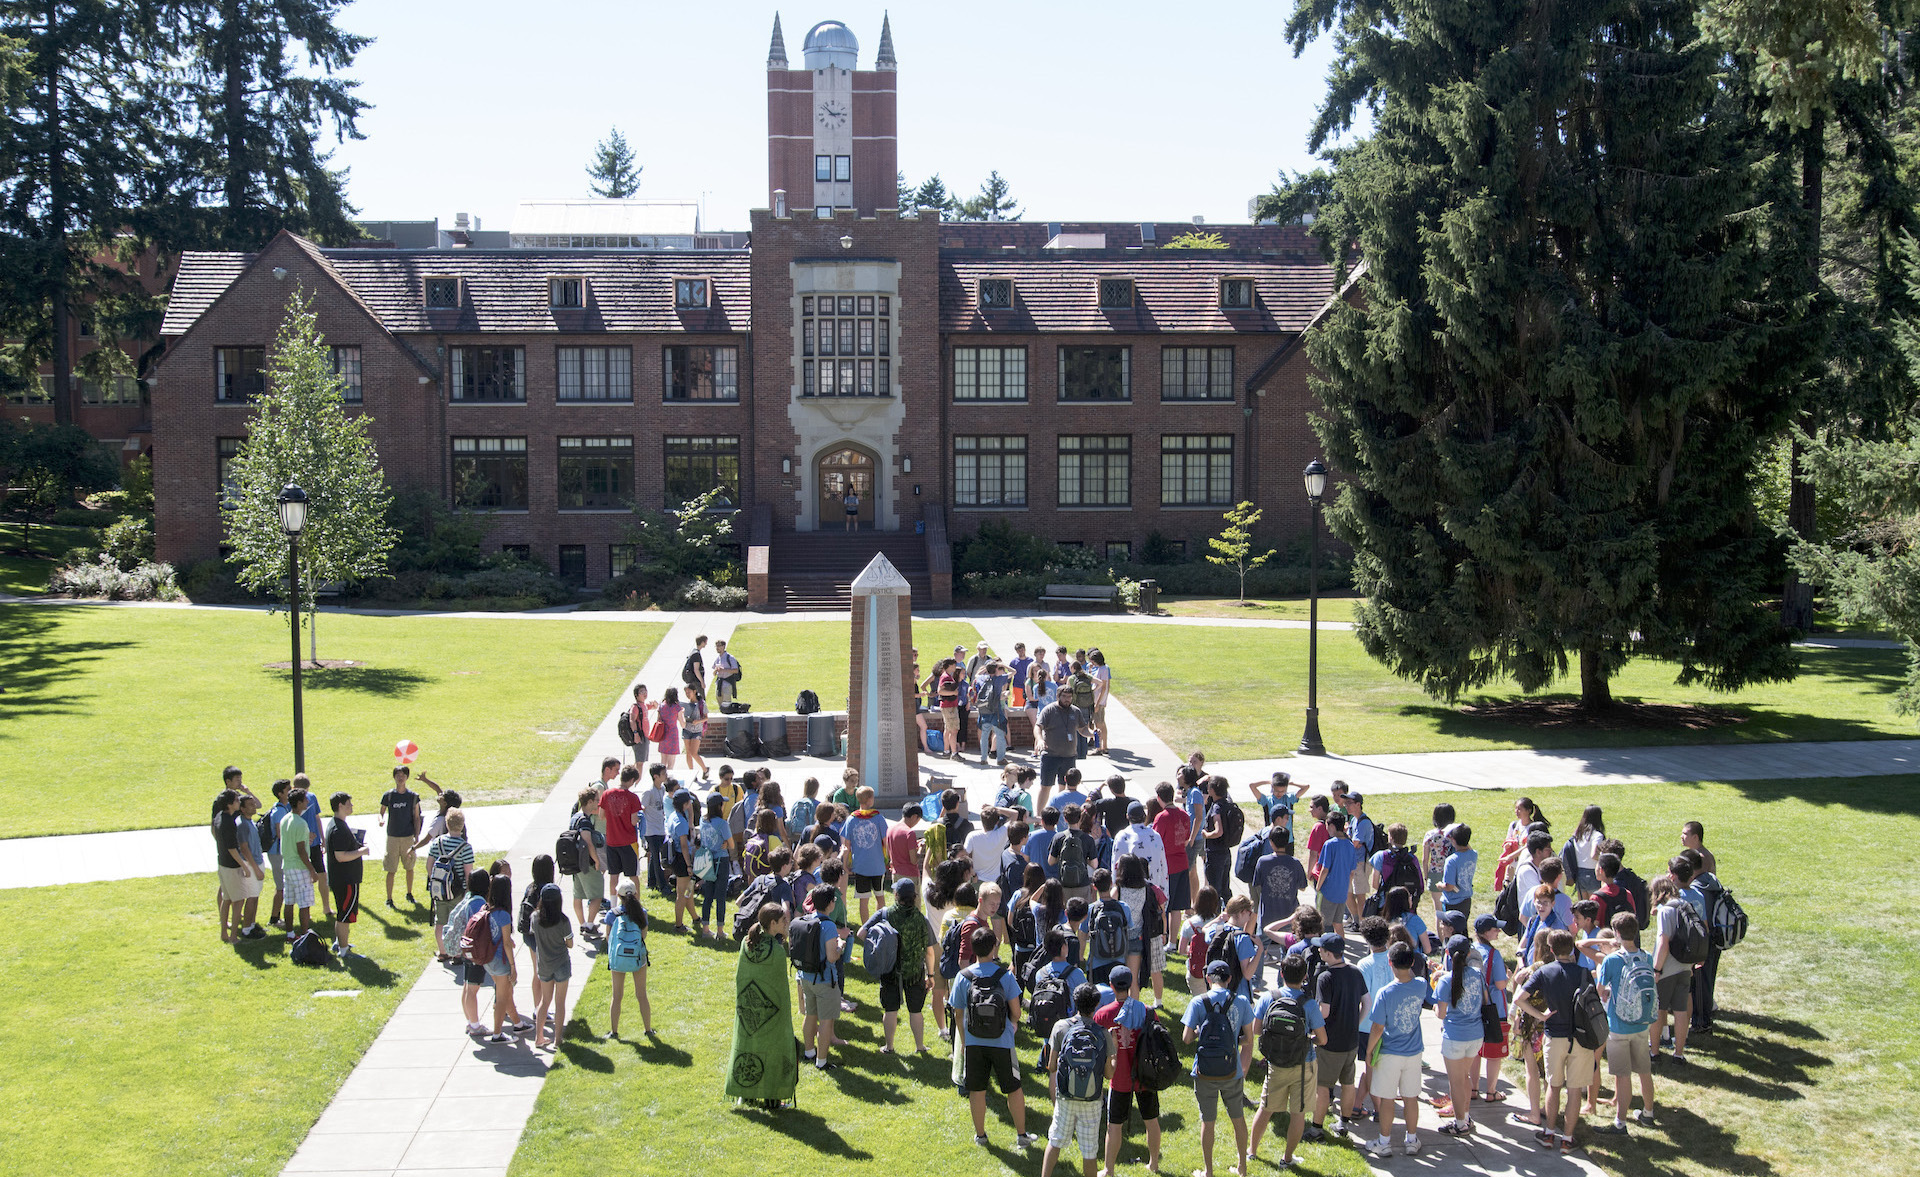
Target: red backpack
column 477, row 944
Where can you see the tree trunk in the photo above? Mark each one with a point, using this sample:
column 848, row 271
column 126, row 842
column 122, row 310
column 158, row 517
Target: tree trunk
column 313, row 630
column 1796, row 600
column 234, row 105
column 57, row 223
column 1595, row 694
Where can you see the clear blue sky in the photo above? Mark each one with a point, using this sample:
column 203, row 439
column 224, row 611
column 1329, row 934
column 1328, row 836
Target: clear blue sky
column 1121, row 111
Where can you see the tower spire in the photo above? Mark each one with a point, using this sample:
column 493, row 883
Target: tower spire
column 777, row 52
column 884, row 59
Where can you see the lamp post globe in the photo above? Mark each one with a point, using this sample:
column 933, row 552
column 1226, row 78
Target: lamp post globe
column 293, row 509
column 1315, row 478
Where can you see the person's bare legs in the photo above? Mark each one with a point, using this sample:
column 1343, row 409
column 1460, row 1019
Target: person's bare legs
column 1240, row 1144
column 640, row 999
column 502, row 999
column 470, row 1003
column 1460, row 1088
column 613, row 1015
column 1572, row 1114
column 918, row 1024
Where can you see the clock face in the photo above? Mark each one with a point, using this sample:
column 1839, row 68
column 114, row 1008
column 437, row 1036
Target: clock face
column 832, row 114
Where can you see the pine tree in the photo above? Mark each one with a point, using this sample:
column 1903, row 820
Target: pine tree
column 614, row 174
column 1565, row 349
column 262, row 86
column 1233, row 547
column 300, row 432
column 933, row 194
column 992, row 204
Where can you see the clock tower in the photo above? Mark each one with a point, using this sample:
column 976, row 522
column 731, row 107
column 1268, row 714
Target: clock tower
column 831, row 127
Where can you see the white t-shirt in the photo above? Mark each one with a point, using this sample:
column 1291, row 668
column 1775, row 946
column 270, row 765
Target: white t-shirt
column 984, row 847
column 1587, row 847
column 1102, row 677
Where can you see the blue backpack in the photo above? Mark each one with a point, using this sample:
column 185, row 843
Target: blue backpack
column 1218, row 1054
column 625, row 941
column 1248, row 856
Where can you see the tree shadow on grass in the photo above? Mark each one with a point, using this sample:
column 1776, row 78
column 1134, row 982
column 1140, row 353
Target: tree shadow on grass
column 383, row 682
column 1756, row 1068
column 1553, row 722
column 39, row 667
column 1681, row 1145
column 805, row 1128
column 1893, row 795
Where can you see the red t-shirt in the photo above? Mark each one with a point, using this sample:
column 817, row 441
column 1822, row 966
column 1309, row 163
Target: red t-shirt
column 1107, row 1017
column 900, row 847
column 620, row 806
column 1317, row 838
column 1173, row 826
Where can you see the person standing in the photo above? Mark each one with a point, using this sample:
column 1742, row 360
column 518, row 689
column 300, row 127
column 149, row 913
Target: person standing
column 1225, row 825
column 246, row 920
column 501, row 968
column 1456, row 877
column 619, row 804
column 1458, row 1000
column 1342, row 994
column 1102, row 676
column 642, row 726
column 818, row 948
column 904, row 851
column 1628, row 984
column 1138, row 838
column 726, row 675
column 1080, row 1056
column 1433, row 852
column 992, row 696
column 865, row 848
column 1360, row 829
column 907, row 983
column 296, row 854
column 1278, row 879
column 1674, row 977
column 234, row 875
column 986, row 997
column 1124, row 1017
column 713, row 869
column 1395, row 1044
column 400, row 816
column 279, row 915
column 1058, row 727
column 1221, row 1027
column 456, row 851
column 850, row 502
column 1569, row 1065
column 627, row 959
column 345, row 850
column 1333, row 870
column 761, row 1068
column 1018, row 668
column 553, row 965
column 1291, row 1026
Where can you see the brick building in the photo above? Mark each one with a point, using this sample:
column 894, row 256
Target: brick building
column 1078, row 379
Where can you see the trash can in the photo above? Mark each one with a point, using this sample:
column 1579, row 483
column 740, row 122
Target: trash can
column 821, row 738
column 1149, row 596
column 743, row 743
column 772, row 730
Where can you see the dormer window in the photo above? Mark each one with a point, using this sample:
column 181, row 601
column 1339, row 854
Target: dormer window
column 690, row 293
column 996, row 294
column 1116, row 293
column 443, row 293
column 1236, row 294
column 568, row 293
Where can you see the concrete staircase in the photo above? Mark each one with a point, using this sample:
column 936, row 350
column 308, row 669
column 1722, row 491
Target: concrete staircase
column 815, row 569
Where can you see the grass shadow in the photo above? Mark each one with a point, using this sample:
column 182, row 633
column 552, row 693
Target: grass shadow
column 38, row 667
column 585, row 1057
column 382, row 682
column 370, row 973
column 265, row 955
column 1557, row 725
column 805, row 1128
column 1893, row 795
column 658, row 1050
column 1679, row 1147
column 1785, row 1027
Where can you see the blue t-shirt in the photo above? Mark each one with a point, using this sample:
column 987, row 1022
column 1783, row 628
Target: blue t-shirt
column 1037, row 844
column 1315, row 1020
column 1009, row 987
column 678, row 827
column 867, row 836
column 1244, row 950
column 1378, row 974
column 312, row 818
column 1281, row 801
column 1094, row 959
column 1462, row 1023
column 1397, row 1009
column 1612, row 969
column 1337, row 860
column 1060, row 801
column 1075, row 978
column 274, row 815
column 1459, row 872
column 1196, row 801
column 1495, row 967
column 1241, row 1012
column 1360, row 829
column 1417, row 928
column 828, row 933
column 1695, row 896
column 1279, row 878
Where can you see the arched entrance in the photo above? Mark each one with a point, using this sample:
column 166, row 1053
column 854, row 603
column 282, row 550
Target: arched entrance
column 838, row 470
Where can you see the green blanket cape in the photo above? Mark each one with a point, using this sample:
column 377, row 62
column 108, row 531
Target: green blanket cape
column 763, row 1064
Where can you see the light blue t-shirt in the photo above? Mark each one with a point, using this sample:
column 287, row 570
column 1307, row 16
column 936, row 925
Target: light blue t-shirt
column 1495, row 966
column 1241, row 1012
column 1009, row 987
column 867, row 837
column 1337, row 859
column 1462, row 1023
column 1612, row 969
column 1417, row 928
column 1196, row 801
column 1398, row 1010
column 1315, row 1019
column 678, row 827
column 1461, row 865
column 1060, row 801
column 1280, row 799
column 274, row 815
column 1378, row 973
column 1695, row 896
column 1075, row 978
column 1037, row 844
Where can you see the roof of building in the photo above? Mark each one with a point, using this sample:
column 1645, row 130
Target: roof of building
column 1283, row 239
column 504, row 290
column 831, row 43
column 603, row 218
column 1173, row 291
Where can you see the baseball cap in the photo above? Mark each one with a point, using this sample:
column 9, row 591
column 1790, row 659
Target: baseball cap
column 550, row 889
column 1218, row 971
column 1122, row 977
column 903, row 887
column 1456, row 943
column 1136, row 812
column 1332, row 942
column 1457, row 920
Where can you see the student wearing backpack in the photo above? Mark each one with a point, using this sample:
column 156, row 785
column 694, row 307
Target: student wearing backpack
column 1109, row 926
column 1434, row 848
column 1054, row 984
column 907, row 984
column 449, row 858
column 1146, row 944
column 1456, row 877
column 1395, row 1045
column 1395, row 867
column 627, row 957
column 1673, row 975
column 449, row 934
column 1628, row 984
column 1226, row 824
column 1221, row 1027
column 1230, row 940
column 1291, row 1025
column 713, row 863
column 986, row 999
column 1360, row 828
column 1081, row 1055
column 814, row 943
column 1126, row 1018
column 1569, row 1065
column 1072, row 855
column 500, row 963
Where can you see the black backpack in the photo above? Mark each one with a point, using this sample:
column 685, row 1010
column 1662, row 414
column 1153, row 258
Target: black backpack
column 1233, row 823
column 1156, row 1064
column 1635, row 886
column 568, row 858
column 986, row 1006
column 688, row 675
column 306, row 949
column 1403, row 870
column 1107, row 930
column 806, row 944
column 1013, row 872
column 1691, row 938
column 1221, row 944
column 748, row 913
column 269, row 834
column 1051, row 1002
column 1379, row 843
column 1023, row 929
column 1589, row 1018
column 625, row 727
column 806, row 703
column 1073, row 861
column 1283, row 1033
column 1506, row 908
column 1726, row 919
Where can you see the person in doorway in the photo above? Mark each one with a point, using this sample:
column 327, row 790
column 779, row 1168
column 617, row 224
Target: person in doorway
column 851, row 503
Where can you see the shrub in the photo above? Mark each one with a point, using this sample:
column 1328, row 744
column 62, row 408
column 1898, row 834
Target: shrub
column 521, row 580
column 433, row 538
column 81, row 517
column 1000, row 547
column 701, row 594
column 129, row 542
column 211, row 582
column 103, row 577
column 1160, row 550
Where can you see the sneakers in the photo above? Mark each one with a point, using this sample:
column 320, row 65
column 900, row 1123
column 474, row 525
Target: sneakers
column 1026, row 1140
column 1314, row 1133
column 1456, row 1128
column 412, row 900
column 498, row 1039
column 1379, row 1146
column 1616, row 1128
column 1411, row 1146
column 1643, row 1116
column 980, row 1140
column 255, row 932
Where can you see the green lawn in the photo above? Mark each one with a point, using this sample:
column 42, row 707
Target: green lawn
column 1256, row 608
column 138, row 1043
column 22, row 574
column 1241, row 693
column 154, row 702
column 780, row 658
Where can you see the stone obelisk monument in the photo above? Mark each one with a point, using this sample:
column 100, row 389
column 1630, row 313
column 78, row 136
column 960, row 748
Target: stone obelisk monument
column 880, row 730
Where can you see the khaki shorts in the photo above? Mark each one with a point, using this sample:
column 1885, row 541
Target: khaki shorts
column 399, row 850
column 238, row 885
column 1285, row 1089
column 1396, row 1076
column 1336, row 1067
column 1628, row 1054
column 1569, row 1065
column 819, row 1001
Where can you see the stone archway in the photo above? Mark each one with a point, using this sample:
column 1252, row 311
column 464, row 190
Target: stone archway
column 838, row 469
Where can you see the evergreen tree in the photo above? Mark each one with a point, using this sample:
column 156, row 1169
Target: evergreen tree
column 262, row 85
column 1565, row 349
column 80, row 148
column 300, row 432
column 992, row 204
column 614, row 174
column 1295, row 199
column 933, row 194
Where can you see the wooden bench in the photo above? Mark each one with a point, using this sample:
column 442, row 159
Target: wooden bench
column 1081, row 594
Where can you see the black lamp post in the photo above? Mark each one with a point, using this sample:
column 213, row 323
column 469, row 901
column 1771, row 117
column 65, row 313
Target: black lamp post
column 1316, row 480
column 293, row 521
